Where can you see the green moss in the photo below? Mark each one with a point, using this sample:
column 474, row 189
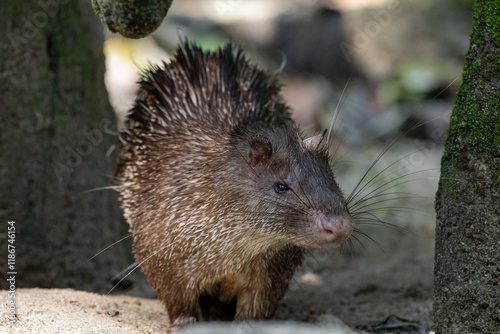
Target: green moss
column 475, row 122
column 78, row 139
column 96, row 7
column 452, row 188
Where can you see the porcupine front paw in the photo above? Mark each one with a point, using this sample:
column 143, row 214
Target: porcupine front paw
column 180, row 322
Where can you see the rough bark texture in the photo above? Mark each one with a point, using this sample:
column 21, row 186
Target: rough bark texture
column 467, row 258
column 54, row 138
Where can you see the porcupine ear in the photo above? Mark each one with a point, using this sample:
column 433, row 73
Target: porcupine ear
column 261, row 151
column 312, row 143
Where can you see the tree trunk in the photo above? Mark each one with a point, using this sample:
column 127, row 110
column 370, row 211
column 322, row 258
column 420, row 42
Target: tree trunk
column 467, row 260
column 55, row 132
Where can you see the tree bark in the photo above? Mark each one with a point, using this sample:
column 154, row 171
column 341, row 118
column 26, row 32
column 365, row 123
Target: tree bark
column 467, row 258
column 56, row 127
column 132, row 18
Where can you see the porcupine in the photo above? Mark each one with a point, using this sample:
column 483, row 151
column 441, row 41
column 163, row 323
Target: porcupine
column 222, row 194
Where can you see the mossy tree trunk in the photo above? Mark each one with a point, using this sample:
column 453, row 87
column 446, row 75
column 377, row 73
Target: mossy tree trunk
column 55, row 132
column 467, row 260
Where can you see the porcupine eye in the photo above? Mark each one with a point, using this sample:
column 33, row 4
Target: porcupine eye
column 281, row 188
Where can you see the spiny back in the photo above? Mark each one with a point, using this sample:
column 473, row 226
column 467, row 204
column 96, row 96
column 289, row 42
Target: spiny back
column 219, row 89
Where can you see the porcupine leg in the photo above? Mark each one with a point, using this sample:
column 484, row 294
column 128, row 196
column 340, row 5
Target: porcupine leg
column 260, row 298
column 181, row 311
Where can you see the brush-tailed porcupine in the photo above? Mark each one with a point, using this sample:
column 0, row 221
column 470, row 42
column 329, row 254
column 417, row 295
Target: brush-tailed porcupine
column 222, row 194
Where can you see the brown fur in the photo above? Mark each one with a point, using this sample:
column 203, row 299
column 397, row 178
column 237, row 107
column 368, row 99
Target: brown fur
column 205, row 146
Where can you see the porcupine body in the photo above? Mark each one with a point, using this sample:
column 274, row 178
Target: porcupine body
column 222, row 194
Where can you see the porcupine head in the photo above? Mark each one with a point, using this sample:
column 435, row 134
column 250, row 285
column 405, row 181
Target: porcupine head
column 222, row 194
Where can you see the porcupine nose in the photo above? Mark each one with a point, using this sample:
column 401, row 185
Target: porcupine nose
column 333, row 230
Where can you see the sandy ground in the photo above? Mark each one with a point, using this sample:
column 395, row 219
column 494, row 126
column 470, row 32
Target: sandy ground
column 70, row 311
